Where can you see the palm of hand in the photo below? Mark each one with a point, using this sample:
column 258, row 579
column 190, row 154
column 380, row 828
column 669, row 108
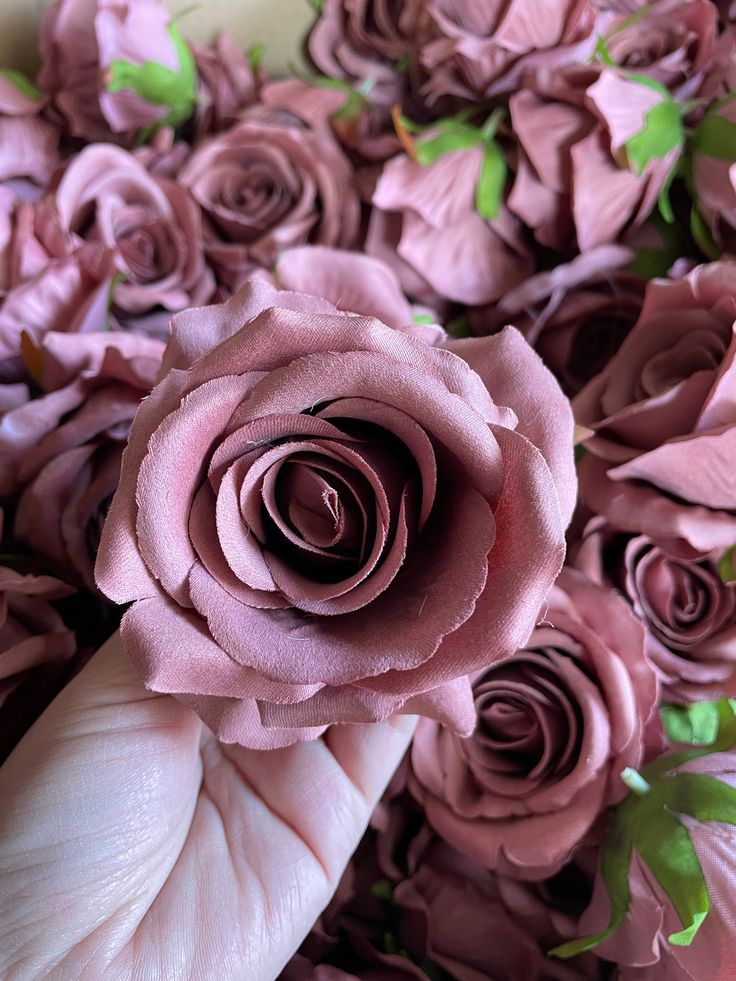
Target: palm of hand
column 133, row 845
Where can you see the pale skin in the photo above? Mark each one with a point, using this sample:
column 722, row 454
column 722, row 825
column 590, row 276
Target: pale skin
column 134, row 845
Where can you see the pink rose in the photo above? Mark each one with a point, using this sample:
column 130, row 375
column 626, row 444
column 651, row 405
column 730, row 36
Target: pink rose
column 227, row 84
column 60, row 452
column 22, row 255
column 66, row 294
column 152, row 225
column 28, row 144
column 582, row 171
column 678, row 594
column 301, row 477
column 556, row 725
column 483, row 48
column 424, row 224
column 640, row 943
column 663, row 421
column 83, row 44
column 269, row 183
column 575, row 315
column 714, row 174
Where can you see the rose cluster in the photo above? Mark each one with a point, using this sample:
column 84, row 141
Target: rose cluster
column 404, row 384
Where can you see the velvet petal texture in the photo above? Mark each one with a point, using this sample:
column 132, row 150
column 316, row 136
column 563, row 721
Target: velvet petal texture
column 342, row 518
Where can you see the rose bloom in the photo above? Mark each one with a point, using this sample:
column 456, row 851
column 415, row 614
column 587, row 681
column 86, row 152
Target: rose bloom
column 28, row 144
column 573, row 180
column 300, row 497
column 60, row 451
column 482, row 48
column 556, row 725
column 640, row 944
column 152, row 225
column 268, row 183
column 663, row 421
column 424, row 224
column 227, row 84
column 575, row 315
column 688, row 611
column 79, row 41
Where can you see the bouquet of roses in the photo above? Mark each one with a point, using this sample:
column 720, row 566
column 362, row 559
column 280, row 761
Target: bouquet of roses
column 406, row 384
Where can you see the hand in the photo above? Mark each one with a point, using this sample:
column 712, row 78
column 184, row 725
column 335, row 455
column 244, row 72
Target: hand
column 134, row 845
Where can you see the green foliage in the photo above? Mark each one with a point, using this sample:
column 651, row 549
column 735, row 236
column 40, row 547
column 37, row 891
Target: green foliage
column 22, row 83
column 715, row 137
column 662, row 133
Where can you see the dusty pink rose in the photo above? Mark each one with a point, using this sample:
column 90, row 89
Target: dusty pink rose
column 80, row 40
column 302, row 477
column 227, row 84
column 640, row 944
column 267, row 184
column 370, row 44
column 22, row 255
column 678, row 594
column 152, row 225
column 482, row 48
column 425, row 225
column 556, row 725
column 663, row 418
column 60, row 452
column 66, row 294
column 573, row 177
column 575, row 315
column 28, row 144
column 714, row 178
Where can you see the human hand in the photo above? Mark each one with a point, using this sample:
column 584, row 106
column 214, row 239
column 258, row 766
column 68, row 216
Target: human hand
column 134, row 845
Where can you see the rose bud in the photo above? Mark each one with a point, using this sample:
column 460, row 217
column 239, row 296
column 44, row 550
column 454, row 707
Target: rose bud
column 663, row 422
column 556, row 724
column 60, row 452
column 298, row 496
column 93, row 55
column 228, row 84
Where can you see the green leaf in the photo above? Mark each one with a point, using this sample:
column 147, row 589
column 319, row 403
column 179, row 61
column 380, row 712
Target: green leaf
column 615, row 865
column 255, row 56
column 724, row 741
column 23, row 84
column 158, row 84
column 716, row 137
column 383, row 890
column 664, row 204
column 424, row 318
column 602, row 53
column 317, row 5
column 702, row 235
column 727, row 566
column 491, row 182
column 459, row 327
column 662, row 133
column 665, row 845
column 455, row 136
column 702, row 797
column 697, row 723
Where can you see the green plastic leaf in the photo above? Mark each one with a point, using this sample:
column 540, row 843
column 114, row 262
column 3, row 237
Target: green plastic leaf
column 716, row 137
column 615, row 865
column 158, row 84
column 602, row 53
column 23, row 84
column 382, row 890
column 727, row 566
column 697, row 723
column 424, row 318
column 491, row 182
column 662, row 133
column 665, row 845
column 457, row 136
column 702, row 797
column 702, row 236
column 317, row 5
column 255, row 56
column 664, row 204
column 724, row 741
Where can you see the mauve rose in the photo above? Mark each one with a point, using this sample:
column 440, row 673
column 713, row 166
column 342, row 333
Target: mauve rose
column 370, row 44
column 22, row 255
column 67, row 294
column 573, row 180
column 152, row 225
column 80, row 40
column 482, row 48
column 227, row 84
column 60, row 452
column 425, row 225
column 28, row 144
column 640, row 943
column 556, row 725
column 298, row 496
column 269, row 183
column 688, row 611
column 663, row 417
column 714, row 180
column 575, row 315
